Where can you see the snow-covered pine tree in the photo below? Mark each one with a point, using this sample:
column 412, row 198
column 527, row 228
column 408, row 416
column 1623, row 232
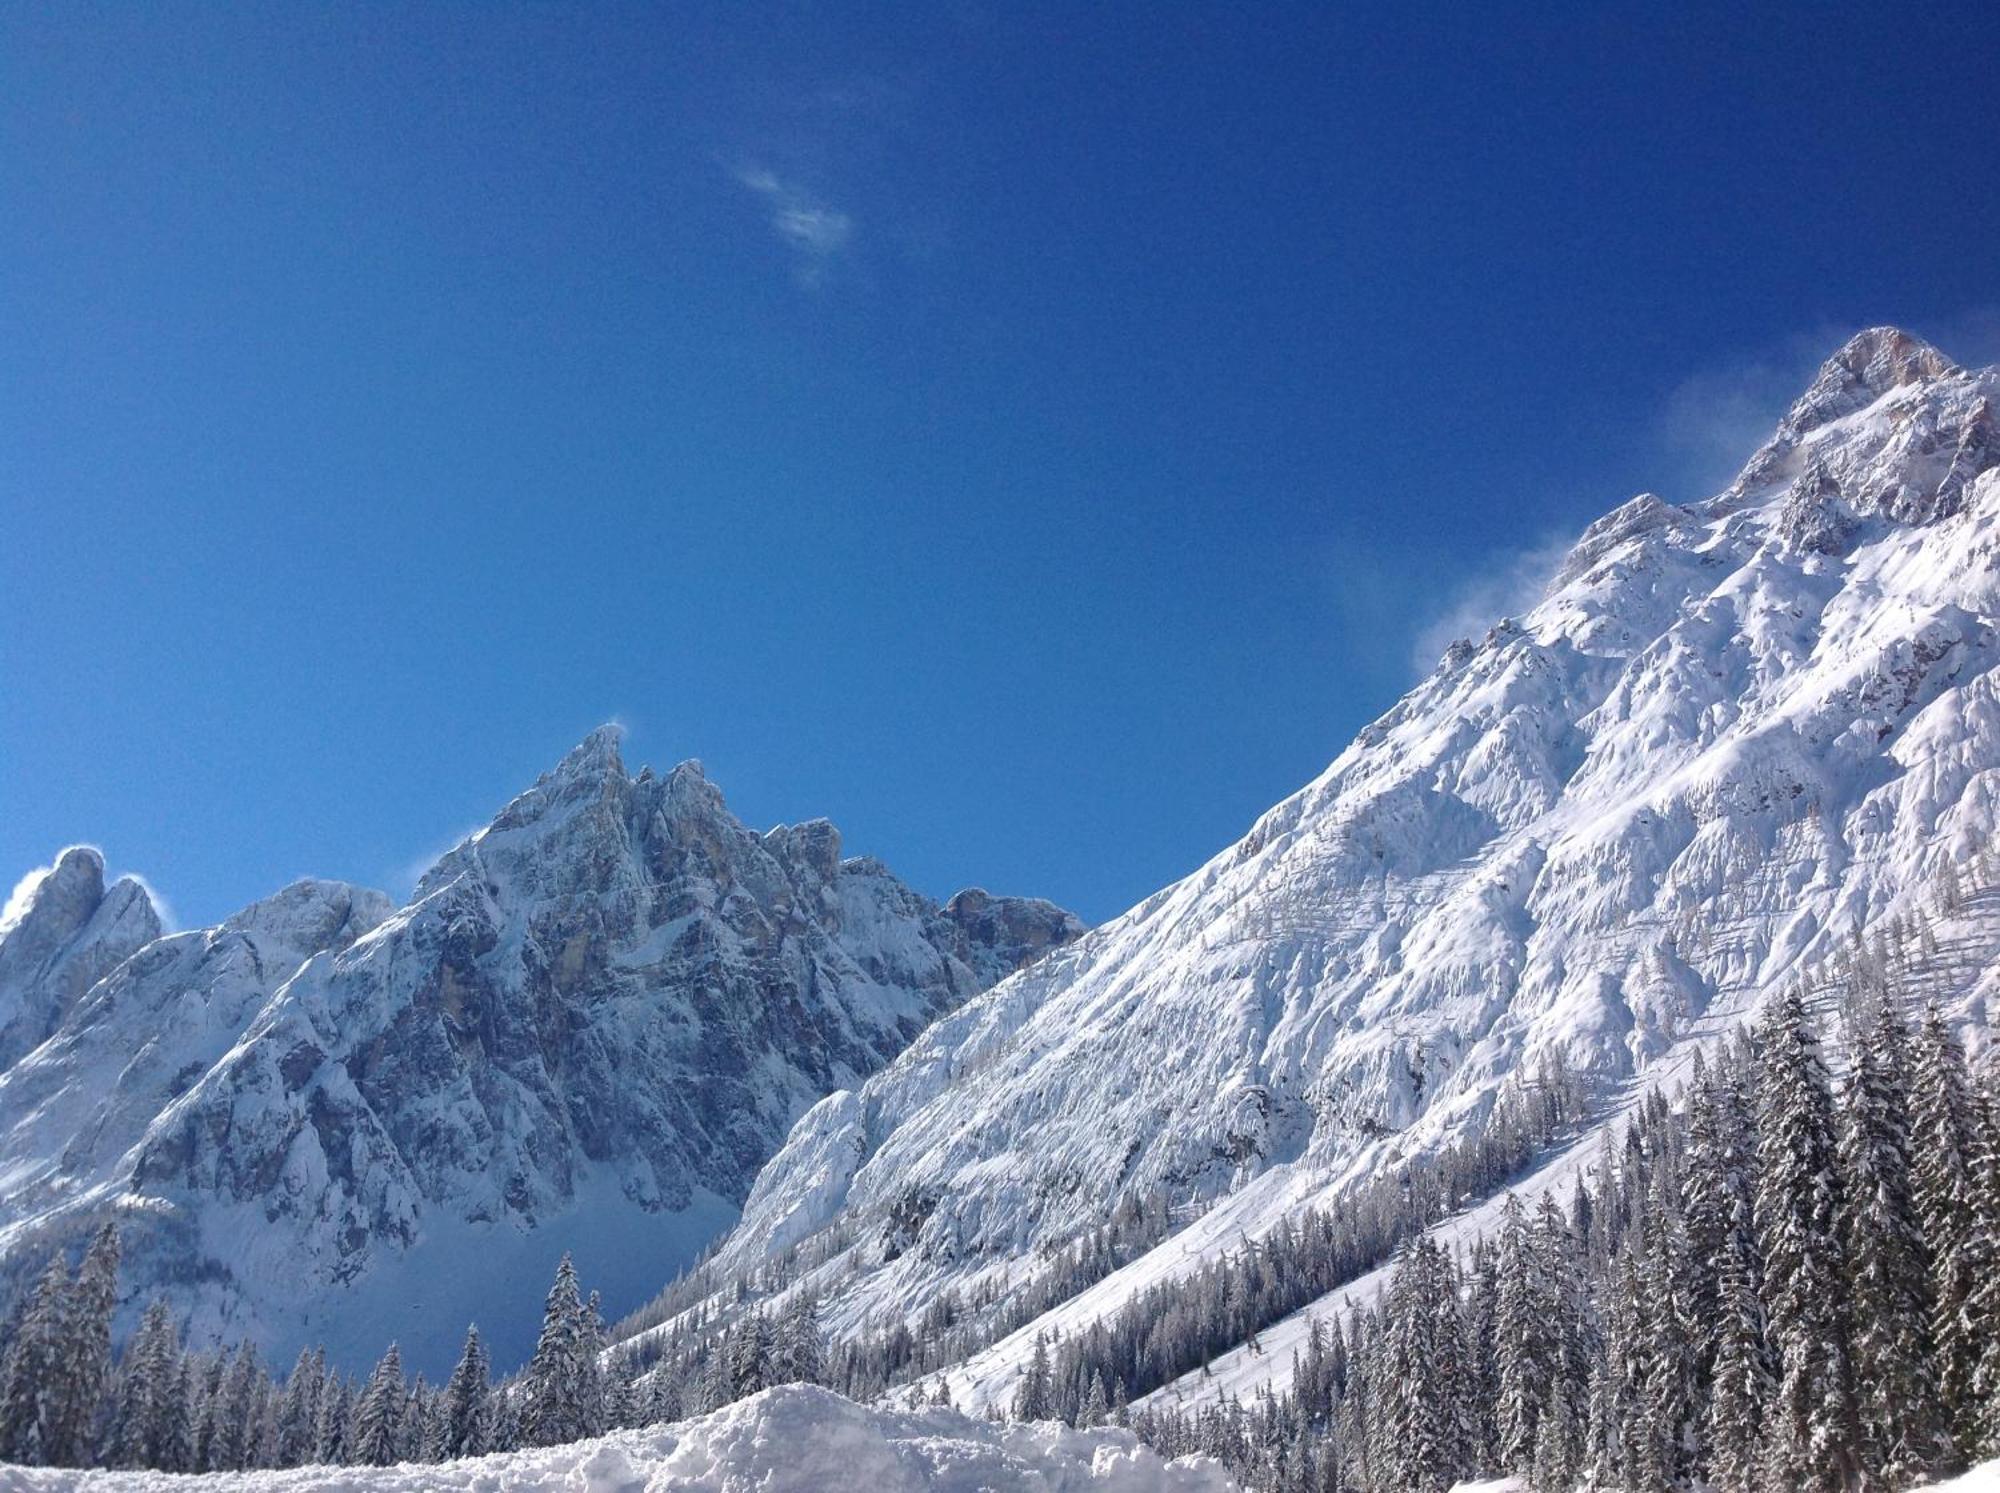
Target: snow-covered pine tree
column 1740, row 1375
column 1941, row 1156
column 376, row 1437
column 1812, row 1436
column 594, row 1414
column 145, row 1379
column 464, row 1415
column 84, row 1356
column 236, row 1419
column 1521, row 1353
column 207, row 1409
column 666, row 1395
column 749, row 1356
column 1983, row 1305
column 1033, row 1398
column 1670, row 1410
column 552, row 1391
column 800, row 1351
column 1417, row 1446
column 1096, row 1404
column 336, row 1419
column 1888, row 1271
column 31, row 1376
column 173, row 1444
column 298, row 1409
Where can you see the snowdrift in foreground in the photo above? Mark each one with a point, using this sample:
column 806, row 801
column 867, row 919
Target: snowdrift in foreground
column 790, row 1440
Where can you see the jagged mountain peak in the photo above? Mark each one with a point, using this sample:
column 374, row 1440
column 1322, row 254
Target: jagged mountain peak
column 62, row 931
column 1729, row 733
column 1868, row 365
column 590, row 1024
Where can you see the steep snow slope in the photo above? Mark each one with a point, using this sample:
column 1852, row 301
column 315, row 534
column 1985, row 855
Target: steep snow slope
column 791, row 1440
column 1729, row 734
column 332, row 1119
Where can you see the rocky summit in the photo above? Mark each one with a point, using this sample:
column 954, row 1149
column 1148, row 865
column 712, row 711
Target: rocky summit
column 591, row 1024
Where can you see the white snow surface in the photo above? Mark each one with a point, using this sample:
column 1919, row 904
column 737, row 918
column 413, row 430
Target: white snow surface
column 1731, row 733
column 790, row 1440
column 330, row 1119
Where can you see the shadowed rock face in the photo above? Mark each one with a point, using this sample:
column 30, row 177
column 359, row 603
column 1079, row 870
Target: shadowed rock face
column 615, row 993
column 67, row 932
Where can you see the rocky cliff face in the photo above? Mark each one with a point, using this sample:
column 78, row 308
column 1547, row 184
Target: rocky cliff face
column 1731, row 734
column 63, row 931
column 589, row 1027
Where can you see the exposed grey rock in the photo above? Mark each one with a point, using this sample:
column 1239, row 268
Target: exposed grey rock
column 592, row 1023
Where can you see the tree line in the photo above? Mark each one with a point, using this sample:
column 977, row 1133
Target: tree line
column 1776, row 1284
column 66, row 1400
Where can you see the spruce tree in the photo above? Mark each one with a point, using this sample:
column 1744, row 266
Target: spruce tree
column 1812, row 1427
column 298, row 1410
column 146, row 1379
column 32, row 1373
column 554, row 1388
column 1888, row 1271
column 173, row 1449
column 1520, row 1346
column 464, row 1414
column 84, row 1356
column 336, row 1419
column 1096, row 1406
column 376, row 1438
column 800, row 1351
column 594, row 1411
column 1948, row 1205
column 1033, row 1399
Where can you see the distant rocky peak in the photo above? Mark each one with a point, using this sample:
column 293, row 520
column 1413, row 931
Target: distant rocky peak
column 1871, row 364
column 62, row 933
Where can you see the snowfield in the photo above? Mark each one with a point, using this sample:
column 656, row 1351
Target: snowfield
column 789, row 1440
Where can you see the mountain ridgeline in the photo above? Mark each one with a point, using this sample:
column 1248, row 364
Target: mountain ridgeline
column 589, row 1026
column 1733, row 736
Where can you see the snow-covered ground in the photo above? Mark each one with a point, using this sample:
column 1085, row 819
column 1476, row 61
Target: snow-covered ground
column 790, row 1440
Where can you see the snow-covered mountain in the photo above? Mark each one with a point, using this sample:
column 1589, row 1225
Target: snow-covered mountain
column 333, row 1119
column 1729, row 735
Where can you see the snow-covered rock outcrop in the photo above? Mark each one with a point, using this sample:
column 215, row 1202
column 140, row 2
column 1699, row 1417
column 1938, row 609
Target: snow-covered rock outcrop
column 791, row 1440
column 330, row 1118
column 1729, row 735
column 62, row 931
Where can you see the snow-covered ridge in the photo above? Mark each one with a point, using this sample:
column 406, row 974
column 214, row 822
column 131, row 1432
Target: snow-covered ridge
column 1731, row 733
column 790, row 1440
column 330, row 1117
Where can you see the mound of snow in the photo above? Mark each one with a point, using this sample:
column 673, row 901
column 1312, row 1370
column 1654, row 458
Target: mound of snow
column 790, row 1440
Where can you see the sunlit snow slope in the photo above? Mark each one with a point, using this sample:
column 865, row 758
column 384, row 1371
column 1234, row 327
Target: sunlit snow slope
column 1730, row 734
column 332, row 1119
column 791, row 1440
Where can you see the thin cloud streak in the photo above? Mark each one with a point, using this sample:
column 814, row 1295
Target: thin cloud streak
column 1509, row 587
column 816, row 230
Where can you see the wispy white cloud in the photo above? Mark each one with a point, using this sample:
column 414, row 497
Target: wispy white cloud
column 1714, row 420
column 169, row 919
column 402, row 881
column 22, row 895
column 815, row 230
column 19, row 900
column 1510, row 584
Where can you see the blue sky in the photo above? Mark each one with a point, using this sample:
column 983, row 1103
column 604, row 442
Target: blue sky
column 1036, row 437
